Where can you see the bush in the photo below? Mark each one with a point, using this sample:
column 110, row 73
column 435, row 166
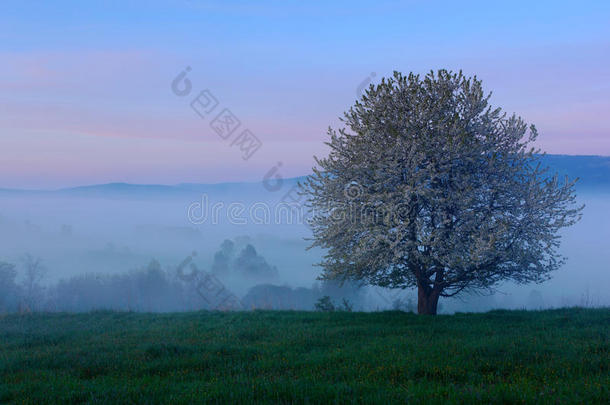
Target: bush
column 325, row 304
column 9, row 290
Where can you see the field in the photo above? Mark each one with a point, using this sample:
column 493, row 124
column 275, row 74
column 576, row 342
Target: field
column 556, row 356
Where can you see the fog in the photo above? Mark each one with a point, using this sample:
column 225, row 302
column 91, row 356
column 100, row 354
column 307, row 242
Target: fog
column 110, row 241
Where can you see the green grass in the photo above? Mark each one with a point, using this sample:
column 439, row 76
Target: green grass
column 558, row 356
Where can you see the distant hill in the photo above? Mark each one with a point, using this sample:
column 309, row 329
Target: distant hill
column 593, row 173
column 144, row 191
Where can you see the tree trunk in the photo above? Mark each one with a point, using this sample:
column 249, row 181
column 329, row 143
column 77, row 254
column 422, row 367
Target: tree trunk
column 427, row 300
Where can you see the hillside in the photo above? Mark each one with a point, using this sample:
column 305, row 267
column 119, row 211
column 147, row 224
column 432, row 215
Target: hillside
column 558, row 356
column 593, row 173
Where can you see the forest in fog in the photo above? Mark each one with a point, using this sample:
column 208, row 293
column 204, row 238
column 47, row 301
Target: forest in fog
column 120, row 246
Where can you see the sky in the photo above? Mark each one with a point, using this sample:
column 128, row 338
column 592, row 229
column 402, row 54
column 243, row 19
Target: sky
column 86, row 93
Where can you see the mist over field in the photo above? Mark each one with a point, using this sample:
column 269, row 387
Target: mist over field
column 117, row 229
column 304, row 202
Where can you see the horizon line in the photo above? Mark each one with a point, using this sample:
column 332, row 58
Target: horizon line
column 123, row 183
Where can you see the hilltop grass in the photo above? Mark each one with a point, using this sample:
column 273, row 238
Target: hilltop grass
column 557, row 356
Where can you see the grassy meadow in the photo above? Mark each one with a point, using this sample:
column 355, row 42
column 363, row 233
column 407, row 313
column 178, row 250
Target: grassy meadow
column 554, row 356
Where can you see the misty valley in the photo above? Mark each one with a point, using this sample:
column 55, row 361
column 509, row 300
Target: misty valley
column 391, row 202
column 120, row 246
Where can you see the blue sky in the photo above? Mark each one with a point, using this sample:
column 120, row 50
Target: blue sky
column 85, row 91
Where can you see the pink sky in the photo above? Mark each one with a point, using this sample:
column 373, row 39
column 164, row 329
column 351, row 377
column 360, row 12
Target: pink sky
column 89, row 101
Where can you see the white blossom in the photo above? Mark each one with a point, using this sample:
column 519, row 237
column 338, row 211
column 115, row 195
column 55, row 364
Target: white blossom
column 457, row 199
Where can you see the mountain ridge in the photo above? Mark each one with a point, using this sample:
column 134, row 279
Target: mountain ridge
column 593, row 171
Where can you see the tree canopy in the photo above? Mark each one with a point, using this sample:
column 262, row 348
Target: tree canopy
column 429, row 186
